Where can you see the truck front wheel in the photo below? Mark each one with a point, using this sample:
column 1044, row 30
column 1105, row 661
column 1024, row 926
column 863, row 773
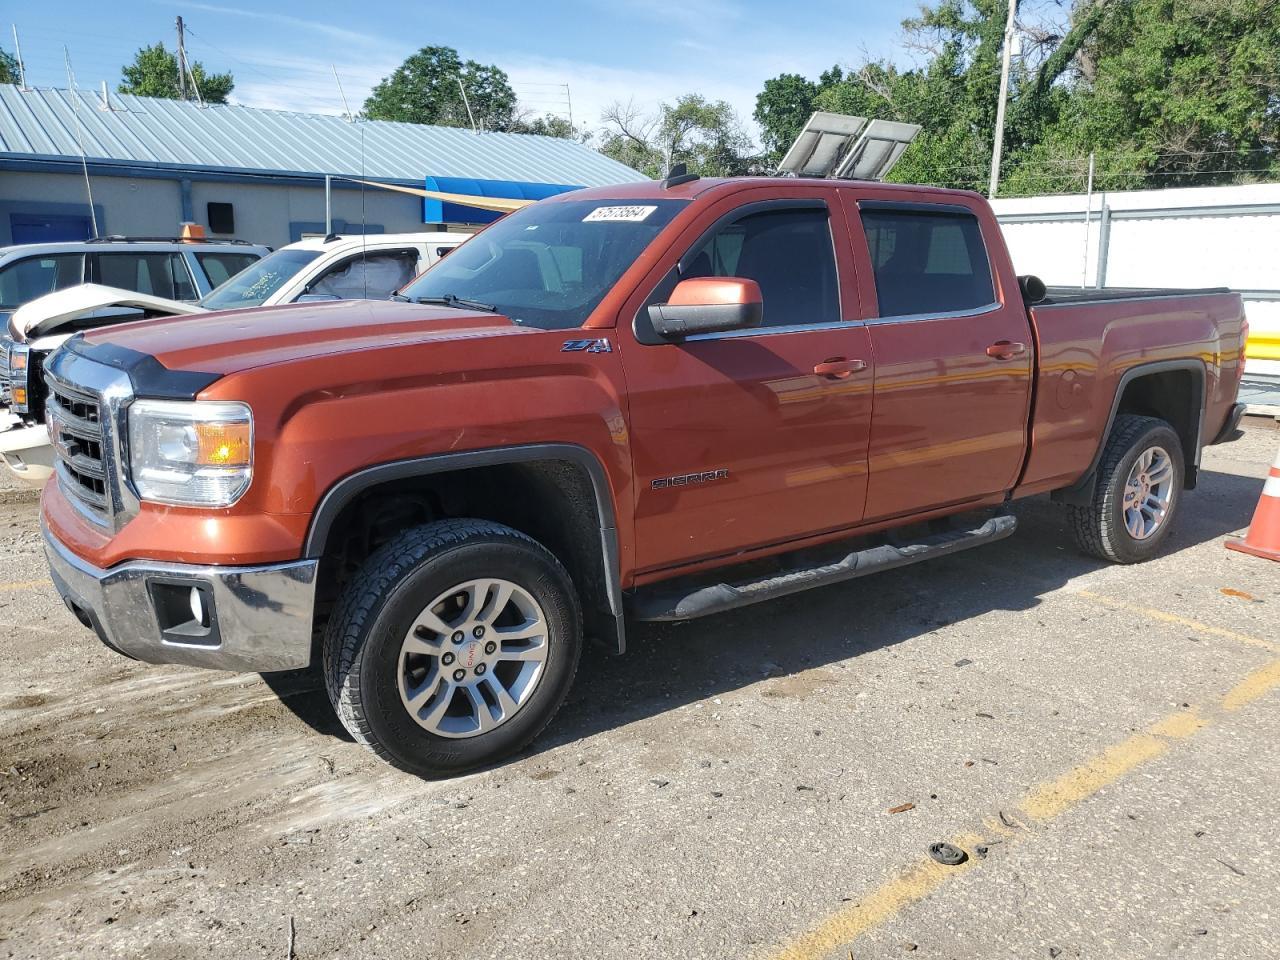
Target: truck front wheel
column 453, row 647
column 1136, row 494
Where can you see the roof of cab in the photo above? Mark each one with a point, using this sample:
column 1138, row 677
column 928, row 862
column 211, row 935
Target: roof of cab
column 719, row 186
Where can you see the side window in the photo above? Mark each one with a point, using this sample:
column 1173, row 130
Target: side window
column 788, row 252
column 927, row 262
column 221, row 267
column 372, row 276
column 158, row 274
column 32, row 277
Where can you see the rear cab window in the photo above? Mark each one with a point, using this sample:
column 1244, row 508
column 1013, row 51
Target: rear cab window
column 926, row 259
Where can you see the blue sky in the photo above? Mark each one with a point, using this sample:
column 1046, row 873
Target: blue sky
column 605, row 50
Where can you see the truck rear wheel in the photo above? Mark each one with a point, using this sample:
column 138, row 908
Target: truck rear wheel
column 1136, row 494
column 453, row 647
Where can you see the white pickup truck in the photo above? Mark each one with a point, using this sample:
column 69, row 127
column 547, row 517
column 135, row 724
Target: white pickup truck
column 331, row 268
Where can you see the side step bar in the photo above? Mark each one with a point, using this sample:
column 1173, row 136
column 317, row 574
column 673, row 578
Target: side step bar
column 674, row 604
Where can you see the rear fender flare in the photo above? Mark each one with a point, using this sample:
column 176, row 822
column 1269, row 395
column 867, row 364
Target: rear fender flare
column 1082, row 490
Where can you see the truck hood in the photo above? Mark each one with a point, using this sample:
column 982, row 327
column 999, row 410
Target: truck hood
column 230, row 341
column 62, row 308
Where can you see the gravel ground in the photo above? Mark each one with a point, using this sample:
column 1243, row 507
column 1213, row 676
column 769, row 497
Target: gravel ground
column 724, row 790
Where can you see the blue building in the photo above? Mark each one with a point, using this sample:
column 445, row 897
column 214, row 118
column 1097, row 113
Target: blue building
column 256, row 175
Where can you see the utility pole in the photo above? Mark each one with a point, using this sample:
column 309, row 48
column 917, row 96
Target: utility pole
column 998, row 146
column 182, row 62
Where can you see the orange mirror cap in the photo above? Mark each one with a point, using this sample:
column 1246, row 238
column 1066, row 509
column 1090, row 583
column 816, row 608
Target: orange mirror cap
column 714, row 291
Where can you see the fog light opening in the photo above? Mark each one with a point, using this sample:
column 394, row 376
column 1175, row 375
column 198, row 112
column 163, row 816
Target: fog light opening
column 184, row 612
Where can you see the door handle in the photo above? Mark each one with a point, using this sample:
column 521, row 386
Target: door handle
column 838, row 368
column 1006, row 350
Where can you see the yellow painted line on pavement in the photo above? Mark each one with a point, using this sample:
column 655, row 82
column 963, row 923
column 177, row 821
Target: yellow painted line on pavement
column 25, row 584
column 1252, row 687
column 1173, row 618
column 1041, row 804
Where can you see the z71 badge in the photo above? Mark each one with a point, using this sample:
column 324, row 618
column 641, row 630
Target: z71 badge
column 598, row 345
column 688, row 479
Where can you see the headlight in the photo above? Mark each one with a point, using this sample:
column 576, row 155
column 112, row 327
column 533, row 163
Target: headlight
column 195, row 454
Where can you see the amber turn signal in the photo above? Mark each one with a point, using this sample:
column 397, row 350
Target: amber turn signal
column 223, row 444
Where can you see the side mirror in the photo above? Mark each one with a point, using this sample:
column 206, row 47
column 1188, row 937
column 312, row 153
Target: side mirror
column 316, row 298
column 1033, row 289
column 708, row 305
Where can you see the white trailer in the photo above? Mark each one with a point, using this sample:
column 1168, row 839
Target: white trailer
column 1184, row 237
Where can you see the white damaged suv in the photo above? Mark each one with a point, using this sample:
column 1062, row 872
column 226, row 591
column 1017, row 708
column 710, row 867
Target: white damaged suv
column 368, row 267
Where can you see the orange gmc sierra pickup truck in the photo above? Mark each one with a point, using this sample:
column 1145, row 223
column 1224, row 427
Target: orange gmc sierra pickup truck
column 649, row 402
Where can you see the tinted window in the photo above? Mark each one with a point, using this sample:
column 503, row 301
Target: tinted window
column 787, row 252
column 927, row 262
column 221, row 267
column 33, row 277
column 259, row 280
column 158, row 274
column 551, row 263
column 372, row 276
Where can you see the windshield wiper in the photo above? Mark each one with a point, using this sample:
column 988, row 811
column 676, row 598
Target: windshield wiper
column 449, row 300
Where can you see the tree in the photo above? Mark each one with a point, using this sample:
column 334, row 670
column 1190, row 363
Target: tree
column 1171, row 93
column 425, row 89
column 705, row 135
column 1161, row 91
column 154, row 73
column 8, row 67
column 551, row 125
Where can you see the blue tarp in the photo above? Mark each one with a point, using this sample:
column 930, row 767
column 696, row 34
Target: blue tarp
column 439, row 211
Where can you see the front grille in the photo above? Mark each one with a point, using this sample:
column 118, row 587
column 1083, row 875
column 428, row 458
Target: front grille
column 79, row 442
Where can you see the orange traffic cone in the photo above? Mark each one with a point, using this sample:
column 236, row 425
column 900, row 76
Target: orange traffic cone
column 1263, row 538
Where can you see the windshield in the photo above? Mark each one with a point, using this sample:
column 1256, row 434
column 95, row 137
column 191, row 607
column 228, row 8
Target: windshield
column 255, row 283
column 549, row 264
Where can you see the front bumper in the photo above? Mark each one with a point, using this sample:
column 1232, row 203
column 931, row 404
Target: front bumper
column 27, row 453
column 258, row 619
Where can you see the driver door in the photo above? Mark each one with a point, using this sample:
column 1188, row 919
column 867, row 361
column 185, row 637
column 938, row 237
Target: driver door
column 739, row 439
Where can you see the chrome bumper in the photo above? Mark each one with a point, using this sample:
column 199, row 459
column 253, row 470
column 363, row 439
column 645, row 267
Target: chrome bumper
column 257, row 619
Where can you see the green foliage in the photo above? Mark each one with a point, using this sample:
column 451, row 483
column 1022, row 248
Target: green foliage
column 8, row 67
column 425, row 89
column 1163, row 92
column 705, row 135
column 551, row 125
column 154, row 73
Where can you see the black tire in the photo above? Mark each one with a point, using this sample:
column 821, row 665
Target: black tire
column 1099, row 527
column 361, row 645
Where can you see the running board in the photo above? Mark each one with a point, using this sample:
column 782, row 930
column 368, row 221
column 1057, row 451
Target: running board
column 665, row 603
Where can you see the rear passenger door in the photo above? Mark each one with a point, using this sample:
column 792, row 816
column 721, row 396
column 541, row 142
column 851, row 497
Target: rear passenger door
column 953, row 355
